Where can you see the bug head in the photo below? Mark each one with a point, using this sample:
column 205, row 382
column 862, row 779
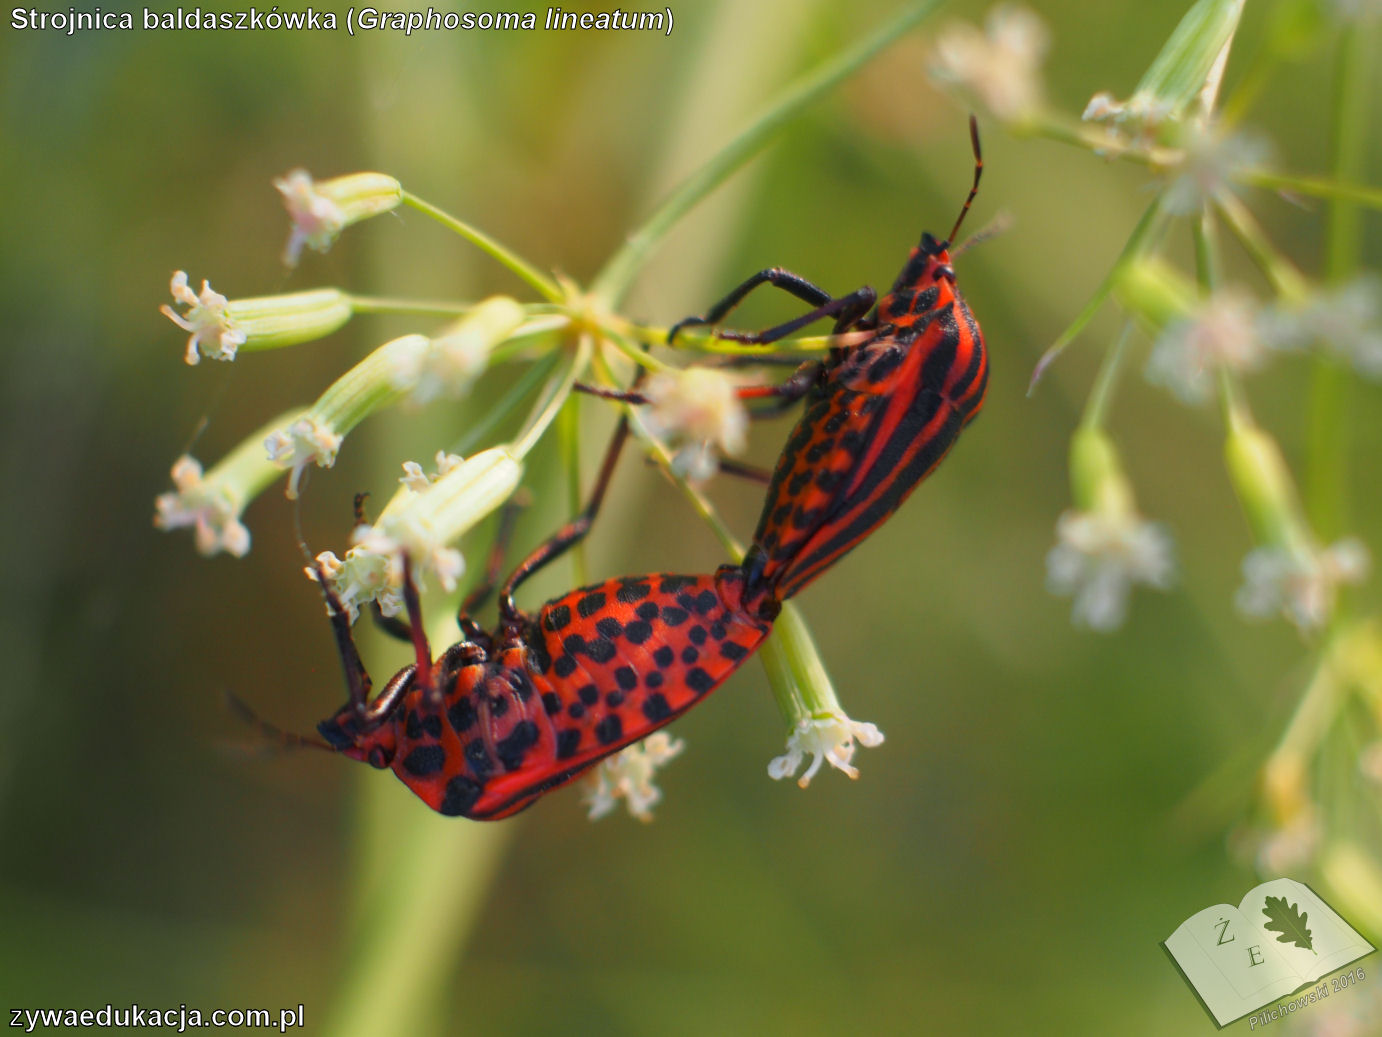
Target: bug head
column 369, row 734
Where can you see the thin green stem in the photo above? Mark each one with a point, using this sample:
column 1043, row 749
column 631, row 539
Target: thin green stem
column 542, row 284
column 1143, row 236
column 569, row 448
column 1096, row 407
column 1280, row 271
column 618, row 275
column 413, row 307
column 507, row 404
column 1315, row 186
column 1327, row 462
column 559, row 388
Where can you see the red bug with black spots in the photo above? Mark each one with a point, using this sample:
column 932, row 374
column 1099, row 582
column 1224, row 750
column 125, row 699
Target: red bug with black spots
column 502, row 718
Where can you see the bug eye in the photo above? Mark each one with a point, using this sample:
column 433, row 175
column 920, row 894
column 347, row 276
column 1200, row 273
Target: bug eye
column 946, row 271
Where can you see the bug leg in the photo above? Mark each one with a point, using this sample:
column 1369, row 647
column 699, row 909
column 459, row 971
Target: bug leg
column 775, row 276
column 421, row 650
column 357, row 678
column 570, row 534
column 745, row 471
column 846, row 310
column 480, row 593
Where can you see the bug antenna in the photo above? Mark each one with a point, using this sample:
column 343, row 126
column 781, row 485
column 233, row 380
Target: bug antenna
column 1000, row 224
column 272, row 736
column 978, row 172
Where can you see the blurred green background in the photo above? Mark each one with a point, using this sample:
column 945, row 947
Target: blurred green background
column 1011, row 856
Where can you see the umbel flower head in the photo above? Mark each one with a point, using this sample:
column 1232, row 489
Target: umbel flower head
column 210, row 506
column 628, row 775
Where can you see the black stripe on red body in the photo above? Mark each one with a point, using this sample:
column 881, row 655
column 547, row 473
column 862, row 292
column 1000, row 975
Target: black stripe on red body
column 594, row 671
column 877, row 423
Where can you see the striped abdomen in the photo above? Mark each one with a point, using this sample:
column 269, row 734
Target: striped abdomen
column 885, row 417
column 598, row 669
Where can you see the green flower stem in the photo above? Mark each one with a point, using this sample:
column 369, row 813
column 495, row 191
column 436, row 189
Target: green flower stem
column 559, row 388
column 1340, row 190
column 1285, row 278
column 404, row 948
column 1327, row 439
column 1065, row 130
column 1143, row 236
column 1096, row 407
column 365, row 388
column 411, row 307
column 801, row 685
column 1310, row 721
column 569, row 451
column 508, row 403
column 246, row 471
column 542, row 284
column 618, row 275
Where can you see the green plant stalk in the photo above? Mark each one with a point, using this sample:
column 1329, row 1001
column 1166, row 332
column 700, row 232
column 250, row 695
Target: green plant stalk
column 1280, row 271
column 404, row 948
column 1315, row 186
column 542, row 284
column 1142, row 238
column 569, row 449
column 1096, row 407
column 1327, row 461
column 409, row 307
column 617, row 275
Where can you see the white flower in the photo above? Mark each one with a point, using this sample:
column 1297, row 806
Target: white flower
column 1099, row 558
column 317, row 220
column 827, row 738
column 1222, row 332
column 306, row 441
column 1346, row 320
column 214, row 333
column 700, row 407
column 1133, row 122
column 1001, row 66
column 417, row 480
column 419, row 522
column 628, row 775
column 210, row 507
column 364, row 576
column 1210, row 165
column 1302, row 585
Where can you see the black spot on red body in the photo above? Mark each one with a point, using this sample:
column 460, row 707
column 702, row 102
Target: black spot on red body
column 699, row 681
column 591, row 604
column 653, row 680
column 655, row 708
column 461, row 714
column 461, row 794
column 609, row 627
column 601, row 650
column 627, row 678
column 557, row 618
column 589, row 694
column 631, row 592
column 514, row 748
column 638, row 631
column 673, row 616
column 564, row 666
column 568, row 742
column 648, row 610
column 551, row 702
column 614, row 699
column 610, row 729
column 425, row 760
column 477, row 758
column 689, row 655
column 664, row 656
column 733, row 652
column 575, row 711
column 696, row 634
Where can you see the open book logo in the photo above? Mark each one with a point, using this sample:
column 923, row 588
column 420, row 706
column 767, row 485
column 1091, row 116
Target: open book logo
column 1277, row 942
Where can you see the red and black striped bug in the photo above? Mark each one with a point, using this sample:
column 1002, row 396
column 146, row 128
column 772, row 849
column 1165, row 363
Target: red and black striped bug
column 503, row 717
column 881, row 412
